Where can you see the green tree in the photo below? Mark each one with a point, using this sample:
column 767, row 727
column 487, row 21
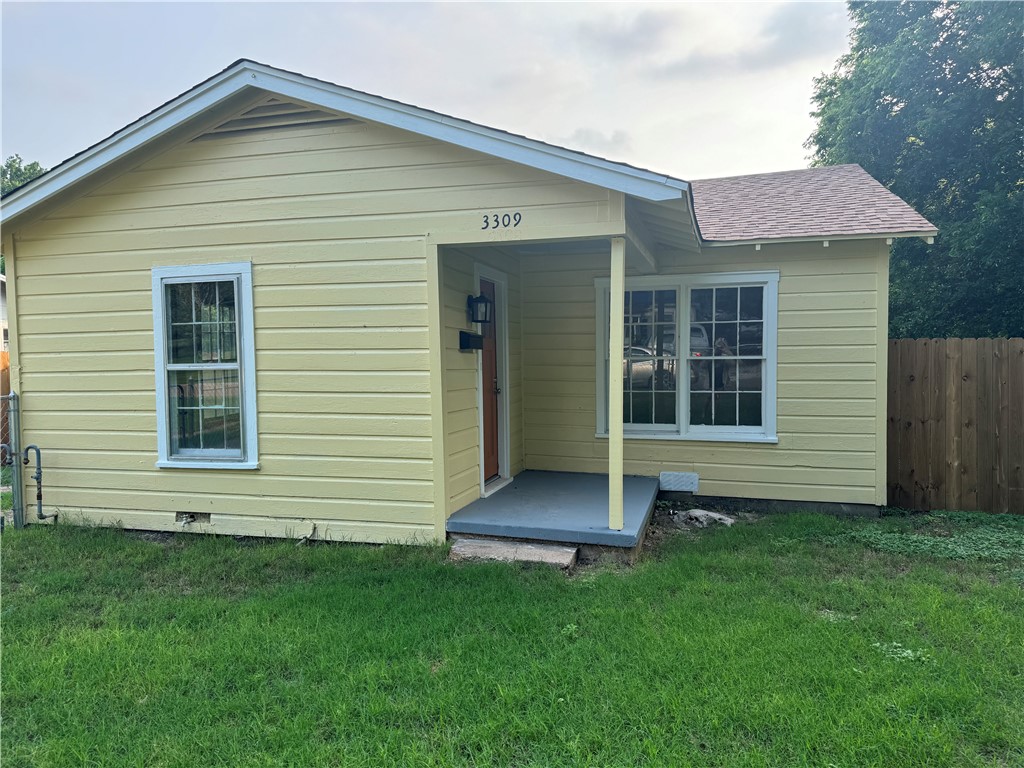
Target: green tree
column 15, row 173
column 12, row 176
column 928, row 101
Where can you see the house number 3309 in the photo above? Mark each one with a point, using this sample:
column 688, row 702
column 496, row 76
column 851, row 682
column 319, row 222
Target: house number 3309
column 502, row 220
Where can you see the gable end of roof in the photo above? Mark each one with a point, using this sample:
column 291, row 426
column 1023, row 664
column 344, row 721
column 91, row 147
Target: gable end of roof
column 246, row 74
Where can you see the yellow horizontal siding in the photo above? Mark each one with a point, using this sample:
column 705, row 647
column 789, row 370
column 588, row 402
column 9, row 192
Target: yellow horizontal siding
column 827, row 389
column 333, row 219
column 461, row 374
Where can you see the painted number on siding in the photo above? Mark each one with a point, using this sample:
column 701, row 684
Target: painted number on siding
column 502, row 220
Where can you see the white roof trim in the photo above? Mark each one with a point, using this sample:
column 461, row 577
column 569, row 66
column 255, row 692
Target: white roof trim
column 818, row 238
column 248, row 74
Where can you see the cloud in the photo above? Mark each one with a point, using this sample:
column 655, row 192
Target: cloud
column 617, row 143
column 794, row 33
column 616, row 38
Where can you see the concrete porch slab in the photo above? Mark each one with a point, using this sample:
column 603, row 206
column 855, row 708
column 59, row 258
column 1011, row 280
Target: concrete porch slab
column 566, row 507
column 509, row 551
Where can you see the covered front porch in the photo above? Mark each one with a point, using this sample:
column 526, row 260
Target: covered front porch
column 568, row 507
column 532, row 449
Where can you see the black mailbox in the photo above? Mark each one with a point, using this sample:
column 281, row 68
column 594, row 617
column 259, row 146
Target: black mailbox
column 470, row 341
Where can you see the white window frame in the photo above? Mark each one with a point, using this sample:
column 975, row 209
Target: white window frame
column 767, row 432
column 241, row 274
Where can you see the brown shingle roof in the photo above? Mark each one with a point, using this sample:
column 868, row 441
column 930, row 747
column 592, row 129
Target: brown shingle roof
column 832, row 201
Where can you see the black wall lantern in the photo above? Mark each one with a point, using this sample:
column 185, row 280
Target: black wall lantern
column 480, row 309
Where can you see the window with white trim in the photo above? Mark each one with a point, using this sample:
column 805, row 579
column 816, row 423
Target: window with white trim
column 205, row 366
column 700, row 355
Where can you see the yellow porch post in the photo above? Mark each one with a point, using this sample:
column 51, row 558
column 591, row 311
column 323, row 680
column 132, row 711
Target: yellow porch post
column 615, row 345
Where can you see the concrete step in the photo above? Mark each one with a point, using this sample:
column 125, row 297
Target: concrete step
column 508, row 551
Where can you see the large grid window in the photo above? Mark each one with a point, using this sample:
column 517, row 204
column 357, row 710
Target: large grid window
column 202, row 369
column 699, row 357
column 727, row 374
column 205, row 365
column 650, row 363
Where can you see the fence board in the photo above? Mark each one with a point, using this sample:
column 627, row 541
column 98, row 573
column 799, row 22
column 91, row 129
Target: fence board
column 919, row 449
column 969, row 415
column 935, row 425
column 908, row 432
column 894, row 425
column 954, row 381
column 955, row 424
column 1015, row 432
column 1002, row 419
column 986, row 425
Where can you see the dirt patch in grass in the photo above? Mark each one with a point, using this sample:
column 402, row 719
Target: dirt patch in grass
column 669, row 520
column 166, row 538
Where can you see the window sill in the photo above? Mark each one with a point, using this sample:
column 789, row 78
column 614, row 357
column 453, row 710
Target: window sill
column 725, row 437
column 197, row 464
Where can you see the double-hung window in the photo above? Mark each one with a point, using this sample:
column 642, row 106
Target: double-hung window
column 699, row 356
column 205, row 366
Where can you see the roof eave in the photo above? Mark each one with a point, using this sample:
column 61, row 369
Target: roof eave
column 924, row 233
column 248, row 74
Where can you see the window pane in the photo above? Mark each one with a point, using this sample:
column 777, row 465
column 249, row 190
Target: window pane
column 228, row 343
column 750, row 375
column 232, row 390
column 664, row 407
column 725, row 338
column 642, row 374
column 701, row 306
column 649, row 363
column 750, row 409
column 725, row 375
column 179, row 302
column 665, row 375
column 205, row 296
column 725, row 409
column 208, row 343
column 725, row 303
column 700, row 408
column 641, row 307
column 700, row 339
column 184, row 415
column 232, row 429
column 213, row 428
column 665, row 340
column 643, row 408
column 752, row 303
column 700, row 375
column 751, row 338
column 198, row 418
column 226, row 301
column 666, row 306
column 183, row 344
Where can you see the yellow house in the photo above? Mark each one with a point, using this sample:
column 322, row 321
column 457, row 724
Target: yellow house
column 253, row 311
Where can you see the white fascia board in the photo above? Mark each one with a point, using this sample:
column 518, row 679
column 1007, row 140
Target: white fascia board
column 563, row 162
column 128, row 139
column 818, row 238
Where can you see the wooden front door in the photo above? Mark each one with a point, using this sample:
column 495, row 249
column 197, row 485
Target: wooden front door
column 489, row 385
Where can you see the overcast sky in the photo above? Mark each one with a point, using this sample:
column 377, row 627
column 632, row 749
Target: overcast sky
column 689, row 89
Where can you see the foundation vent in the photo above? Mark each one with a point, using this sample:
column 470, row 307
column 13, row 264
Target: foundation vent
column 190, row 518
column 679, row 481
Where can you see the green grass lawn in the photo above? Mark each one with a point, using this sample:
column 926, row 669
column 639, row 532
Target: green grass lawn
column 791, row 641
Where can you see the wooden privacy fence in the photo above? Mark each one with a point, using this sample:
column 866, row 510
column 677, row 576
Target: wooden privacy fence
column 956, row 424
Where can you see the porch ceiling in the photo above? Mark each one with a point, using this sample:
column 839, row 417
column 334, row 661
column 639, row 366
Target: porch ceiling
column 667, row 226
